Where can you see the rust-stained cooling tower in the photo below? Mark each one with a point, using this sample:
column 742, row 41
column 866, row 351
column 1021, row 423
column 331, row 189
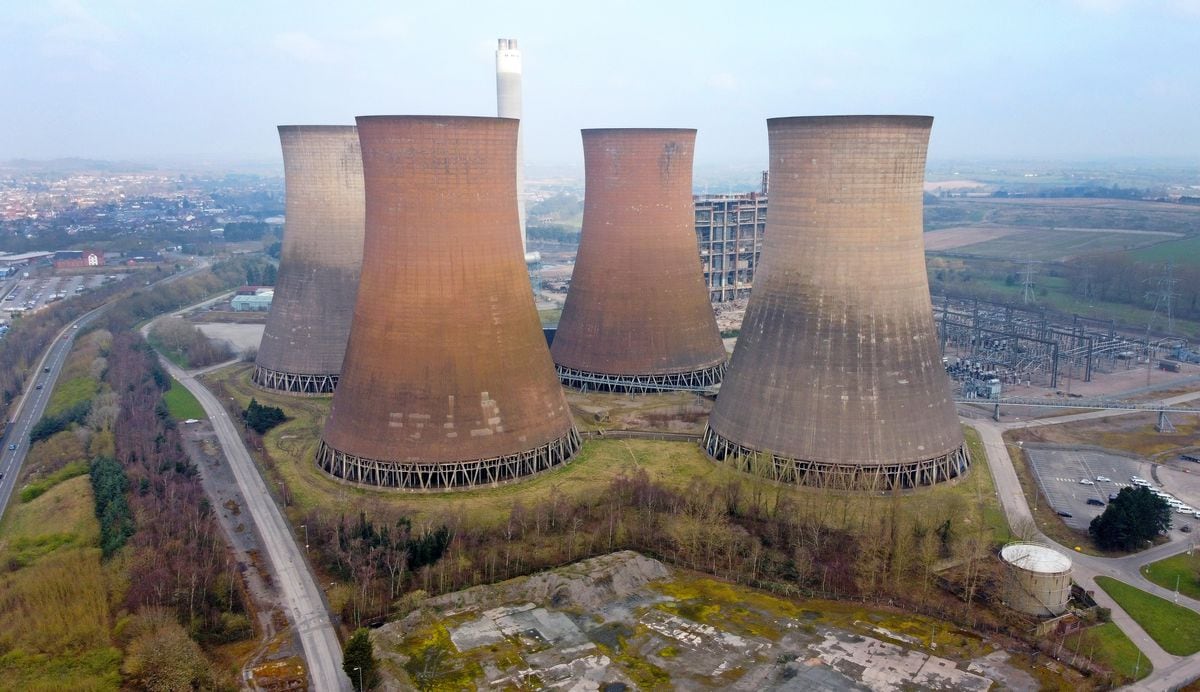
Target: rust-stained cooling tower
column 305, row 337
column 836, row 380
column 447, row 380
column 637, row 317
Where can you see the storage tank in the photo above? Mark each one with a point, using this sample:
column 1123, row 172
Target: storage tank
column 1039, row 579
column 837, row 379
column 637, row 316
column 305, row 336
column 447, row 380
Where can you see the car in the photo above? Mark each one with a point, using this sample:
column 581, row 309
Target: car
column 1095, row 501
column 39, row 386
column 1104, row 479
column 1087, row 481
column 1186, row 528
column 1064, row 513
column 12, row 447
column 1112, row 496
column 75, row 327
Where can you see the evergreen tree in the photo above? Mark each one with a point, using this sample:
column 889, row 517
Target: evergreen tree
column 1135, row 516
column 360, row 658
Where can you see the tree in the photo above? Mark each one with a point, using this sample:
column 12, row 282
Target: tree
column 262, row 418
column 1135, row 516
column 360, row 658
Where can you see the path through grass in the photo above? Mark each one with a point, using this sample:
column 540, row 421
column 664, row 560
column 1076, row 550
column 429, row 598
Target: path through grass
column 1175, row 628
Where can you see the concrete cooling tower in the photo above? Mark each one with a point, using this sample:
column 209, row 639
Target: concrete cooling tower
column 305, row 336
column 836, row 380
column 447, row 380
column 637, row 317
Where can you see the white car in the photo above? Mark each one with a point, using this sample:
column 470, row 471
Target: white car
column 1087, row 481
column 1104, row 479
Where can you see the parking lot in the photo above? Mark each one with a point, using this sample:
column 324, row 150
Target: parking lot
column 1059, row 472
column 30, row 295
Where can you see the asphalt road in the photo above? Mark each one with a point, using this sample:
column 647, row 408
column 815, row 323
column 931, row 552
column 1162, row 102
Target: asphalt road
column 1169, row 671
column 302, row 598
column 33, row 405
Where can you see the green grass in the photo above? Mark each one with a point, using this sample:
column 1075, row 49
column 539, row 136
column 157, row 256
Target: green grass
column 170, row 354
column 70, row 393
column 38, row 488
column 1047, row 244
column 1182, row 570
column 1107, row 645
column 181, row 404
column 1185, row 251
column 1175, row 628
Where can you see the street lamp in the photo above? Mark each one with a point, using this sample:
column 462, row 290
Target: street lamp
column 359, row 669
column 305, row 527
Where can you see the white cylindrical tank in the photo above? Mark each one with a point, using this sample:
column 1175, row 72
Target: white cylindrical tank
column 1039, row 580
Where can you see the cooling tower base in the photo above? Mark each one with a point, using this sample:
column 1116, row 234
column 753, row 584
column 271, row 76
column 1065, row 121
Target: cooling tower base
column 447, row 475
column 695, row 381
column 833, row 476
column 292, row 383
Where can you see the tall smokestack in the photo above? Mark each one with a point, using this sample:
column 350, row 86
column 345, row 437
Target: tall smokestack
column 508, row 105
column 447, row 380
column 836, row 380
column 637, row 317
column 305, row 336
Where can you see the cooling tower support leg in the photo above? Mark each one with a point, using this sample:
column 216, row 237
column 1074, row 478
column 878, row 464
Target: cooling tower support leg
column 694, row 381
column 836, row 476
column 450, row 475
column 1164, row 424
column 996, row 412
column 293, row 383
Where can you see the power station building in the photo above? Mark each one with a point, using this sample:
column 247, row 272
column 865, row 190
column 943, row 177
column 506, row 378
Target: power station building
column 729, row 230
column 305, row 336
column 447, row 380
column 637, row 316
column 836, row 380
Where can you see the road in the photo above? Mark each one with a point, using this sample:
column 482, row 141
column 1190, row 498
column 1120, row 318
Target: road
column 302, row 598
column 1169, row 671
column 33, row 405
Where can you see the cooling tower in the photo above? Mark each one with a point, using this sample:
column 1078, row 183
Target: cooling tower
column 637, row 317
column 447, row 380
column 836, row 380
column 305, row 336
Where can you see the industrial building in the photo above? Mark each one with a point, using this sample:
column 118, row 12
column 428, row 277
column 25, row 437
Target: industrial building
column 304, row 340
column 447, row 380
column 729, row 230
column 637, row 316
column 78, row 259
column 836, row 380
column 258, row 300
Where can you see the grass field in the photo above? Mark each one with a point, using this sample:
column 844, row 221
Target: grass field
column 1107, row 645
column 69, row 393
column 970, row 502
column 1185, row 251
column 181, row 404
column 1182, row 570
column 1175, row 628
column 1056, row 245
column 54, row 612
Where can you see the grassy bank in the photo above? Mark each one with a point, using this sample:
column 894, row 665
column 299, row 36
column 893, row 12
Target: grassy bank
column 181, row 404
column 1107, row 645
column 1175, row 628
column 1182, row 571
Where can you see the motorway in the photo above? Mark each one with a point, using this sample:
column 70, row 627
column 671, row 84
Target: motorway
column 33, row 405
column 303, row 600
column 1169, row 671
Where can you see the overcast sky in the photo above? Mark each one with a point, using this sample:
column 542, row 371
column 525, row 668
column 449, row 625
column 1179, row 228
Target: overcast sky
column 1043, row 79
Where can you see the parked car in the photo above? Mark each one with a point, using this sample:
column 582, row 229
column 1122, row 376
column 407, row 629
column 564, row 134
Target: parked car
column 1095, row 501
column 1104, row 479
column 1186, row 528
column 1064, row 513
column 1087, row 481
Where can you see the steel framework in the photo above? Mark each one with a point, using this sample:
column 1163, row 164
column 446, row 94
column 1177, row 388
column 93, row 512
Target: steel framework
column 461, row 475
column 835, row 475
column 694, row 381
column 292, row 383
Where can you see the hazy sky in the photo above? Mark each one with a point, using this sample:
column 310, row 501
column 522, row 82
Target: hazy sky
column 141, row 79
